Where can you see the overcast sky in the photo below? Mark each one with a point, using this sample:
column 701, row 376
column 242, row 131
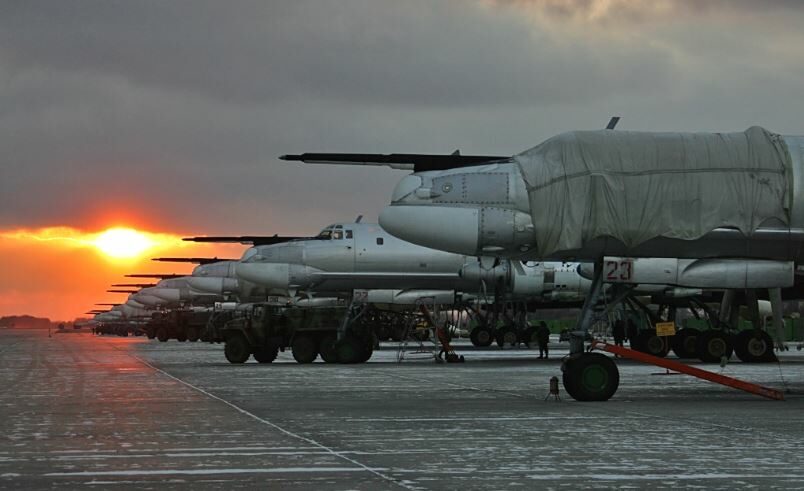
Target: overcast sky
column 176, row 112
column 170, row 115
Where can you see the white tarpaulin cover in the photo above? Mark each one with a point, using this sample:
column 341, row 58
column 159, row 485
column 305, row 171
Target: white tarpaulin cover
column 635, row 186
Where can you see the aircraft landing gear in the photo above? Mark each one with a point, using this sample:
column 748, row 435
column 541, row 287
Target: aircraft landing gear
column 712, row 345
column 754, row 346
column 590, row 377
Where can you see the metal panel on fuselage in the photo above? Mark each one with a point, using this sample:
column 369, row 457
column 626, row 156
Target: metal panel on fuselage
column 336, row 254
column 378, row 251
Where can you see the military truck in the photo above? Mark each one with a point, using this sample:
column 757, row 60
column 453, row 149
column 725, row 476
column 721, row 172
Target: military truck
column 179, row 324
column 262, row 330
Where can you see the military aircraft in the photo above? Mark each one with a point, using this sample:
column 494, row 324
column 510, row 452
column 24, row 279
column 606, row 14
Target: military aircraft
column 695, row 210
column 350, row 256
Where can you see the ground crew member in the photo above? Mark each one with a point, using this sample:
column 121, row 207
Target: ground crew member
column 632, row 331
column 543, row 337
column 618, row 332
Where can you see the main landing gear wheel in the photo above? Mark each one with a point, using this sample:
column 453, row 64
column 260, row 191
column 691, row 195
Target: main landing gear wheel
column 266, row 354
column 507, row 337
column 648, row 342
column 237, row 349
column 754, row 346
column 304, row 349
column 481, row 336
column 712, row 345
column 590, row 377
column 684, row 343
column 327, row 349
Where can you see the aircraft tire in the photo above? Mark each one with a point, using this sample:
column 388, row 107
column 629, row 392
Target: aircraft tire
column 507, row 337
column 590, row 377
column 237, row 349
column 684, row 343
column 304, row 349
column 192, row 335
column 327, row 348
column 712, row 345
column 754, row 346
column 650, row 343
column 481, row 336
column 162, row 335
column 266, row 354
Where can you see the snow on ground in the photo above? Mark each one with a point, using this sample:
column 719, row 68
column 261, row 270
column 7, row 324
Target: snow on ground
column 100, row 411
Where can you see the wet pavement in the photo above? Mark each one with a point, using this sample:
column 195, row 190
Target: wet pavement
column 80, row 411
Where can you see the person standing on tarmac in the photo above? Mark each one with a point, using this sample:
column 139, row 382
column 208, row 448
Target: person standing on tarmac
column 618, row 332
column 543, row 337
column 632, row 332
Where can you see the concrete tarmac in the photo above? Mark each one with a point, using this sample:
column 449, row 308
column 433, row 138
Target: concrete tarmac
column 79, row 411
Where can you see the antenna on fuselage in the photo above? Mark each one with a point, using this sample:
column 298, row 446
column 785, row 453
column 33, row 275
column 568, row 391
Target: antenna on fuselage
column 613, row 122
column 359, row 217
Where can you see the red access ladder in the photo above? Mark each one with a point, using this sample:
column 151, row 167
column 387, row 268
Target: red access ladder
column 689, row 370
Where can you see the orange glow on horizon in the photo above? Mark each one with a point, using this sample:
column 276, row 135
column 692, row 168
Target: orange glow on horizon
column 118, row 242
column 61, row 272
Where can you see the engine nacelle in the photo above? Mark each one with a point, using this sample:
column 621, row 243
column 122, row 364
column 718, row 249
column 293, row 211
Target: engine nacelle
column 406, row 297
column 696, row 273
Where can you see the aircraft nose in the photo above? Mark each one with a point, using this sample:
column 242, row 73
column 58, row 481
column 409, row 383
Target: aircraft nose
column 268, row 275
column 167, row 294
column 439, row 227
column 213, row 284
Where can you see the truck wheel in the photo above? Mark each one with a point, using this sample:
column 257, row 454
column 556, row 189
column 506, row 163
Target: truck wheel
column 150, row 333
column 349, row 349
column 192, row 335
column 304, row 349
column 368, row 350
column 181, row 337
column 162, row 334
column 237, row 349
column 327, row 349
column 266, row 354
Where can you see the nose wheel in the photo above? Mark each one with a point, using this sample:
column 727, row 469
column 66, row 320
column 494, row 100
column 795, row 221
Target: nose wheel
column 590, row 377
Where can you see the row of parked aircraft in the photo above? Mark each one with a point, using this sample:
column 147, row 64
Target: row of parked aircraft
column 585, row 216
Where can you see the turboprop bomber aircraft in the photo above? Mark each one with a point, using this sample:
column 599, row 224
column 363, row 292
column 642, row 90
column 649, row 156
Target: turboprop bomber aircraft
column 719, row 210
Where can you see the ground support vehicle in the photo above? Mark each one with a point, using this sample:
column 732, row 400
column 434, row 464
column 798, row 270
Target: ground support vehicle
column 262, row 330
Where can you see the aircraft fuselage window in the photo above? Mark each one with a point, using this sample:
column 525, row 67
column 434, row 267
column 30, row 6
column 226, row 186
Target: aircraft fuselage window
column 348, row 234
column 337, row 235
column 380, row 241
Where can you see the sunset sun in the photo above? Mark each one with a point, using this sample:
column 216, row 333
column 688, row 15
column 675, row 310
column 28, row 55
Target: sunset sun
column 123, row 243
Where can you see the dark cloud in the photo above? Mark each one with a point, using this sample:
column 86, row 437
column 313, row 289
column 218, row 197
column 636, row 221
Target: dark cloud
column 176, row 111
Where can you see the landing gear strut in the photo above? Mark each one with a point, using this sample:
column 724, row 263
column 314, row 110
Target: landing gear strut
column 589, row 376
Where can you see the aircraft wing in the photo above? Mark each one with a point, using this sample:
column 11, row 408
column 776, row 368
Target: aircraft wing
column 194, row 260
column 246, row 239
column 161, row 276
column 416, row 162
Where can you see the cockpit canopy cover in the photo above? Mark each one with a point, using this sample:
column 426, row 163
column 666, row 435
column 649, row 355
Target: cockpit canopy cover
column 636, row 186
